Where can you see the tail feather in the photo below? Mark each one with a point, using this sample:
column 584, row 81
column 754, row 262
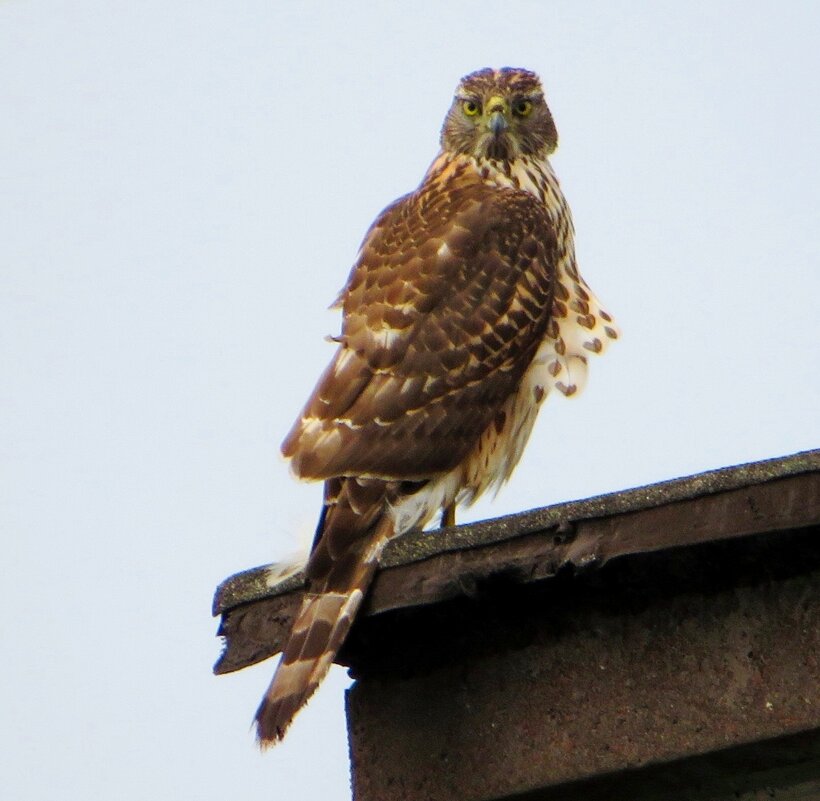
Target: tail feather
column 319, row 631
column 339, row 578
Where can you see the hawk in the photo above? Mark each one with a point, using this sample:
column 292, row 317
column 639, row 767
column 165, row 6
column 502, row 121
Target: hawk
column 463, row 311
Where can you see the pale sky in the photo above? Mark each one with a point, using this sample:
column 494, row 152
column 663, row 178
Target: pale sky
column 183, row 187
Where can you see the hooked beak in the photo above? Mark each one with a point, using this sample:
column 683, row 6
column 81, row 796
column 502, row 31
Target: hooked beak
column 497, row 109
column 498, row 123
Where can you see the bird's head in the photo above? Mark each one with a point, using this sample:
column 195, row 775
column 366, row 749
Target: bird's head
column 499, row 114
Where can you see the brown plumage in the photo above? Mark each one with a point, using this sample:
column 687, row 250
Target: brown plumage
column 463, row 310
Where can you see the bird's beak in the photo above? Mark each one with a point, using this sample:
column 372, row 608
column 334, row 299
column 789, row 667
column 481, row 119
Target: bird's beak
column 498, row 123
column 497, row 109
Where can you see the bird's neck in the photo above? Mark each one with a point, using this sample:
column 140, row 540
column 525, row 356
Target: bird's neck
column 525, row 173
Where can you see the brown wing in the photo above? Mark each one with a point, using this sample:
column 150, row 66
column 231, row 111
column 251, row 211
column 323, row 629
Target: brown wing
column 443, row 311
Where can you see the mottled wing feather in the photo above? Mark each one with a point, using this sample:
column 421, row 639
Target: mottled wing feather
column 443, row 311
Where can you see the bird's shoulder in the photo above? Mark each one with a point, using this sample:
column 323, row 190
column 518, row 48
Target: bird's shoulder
column 455, row 215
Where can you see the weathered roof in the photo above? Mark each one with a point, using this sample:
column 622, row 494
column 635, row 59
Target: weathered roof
column 423, row 568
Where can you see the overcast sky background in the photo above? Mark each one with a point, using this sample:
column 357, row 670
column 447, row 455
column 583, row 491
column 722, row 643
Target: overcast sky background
column 183, row 187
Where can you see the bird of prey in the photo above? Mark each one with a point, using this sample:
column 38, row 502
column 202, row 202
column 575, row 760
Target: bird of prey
column 463, row 311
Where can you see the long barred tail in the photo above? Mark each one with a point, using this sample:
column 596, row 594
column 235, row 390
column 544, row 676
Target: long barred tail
column 317, row 635
column 352, row 532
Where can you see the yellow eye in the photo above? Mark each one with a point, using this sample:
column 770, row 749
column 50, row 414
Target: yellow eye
column 470, row 108
column 523, row 108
